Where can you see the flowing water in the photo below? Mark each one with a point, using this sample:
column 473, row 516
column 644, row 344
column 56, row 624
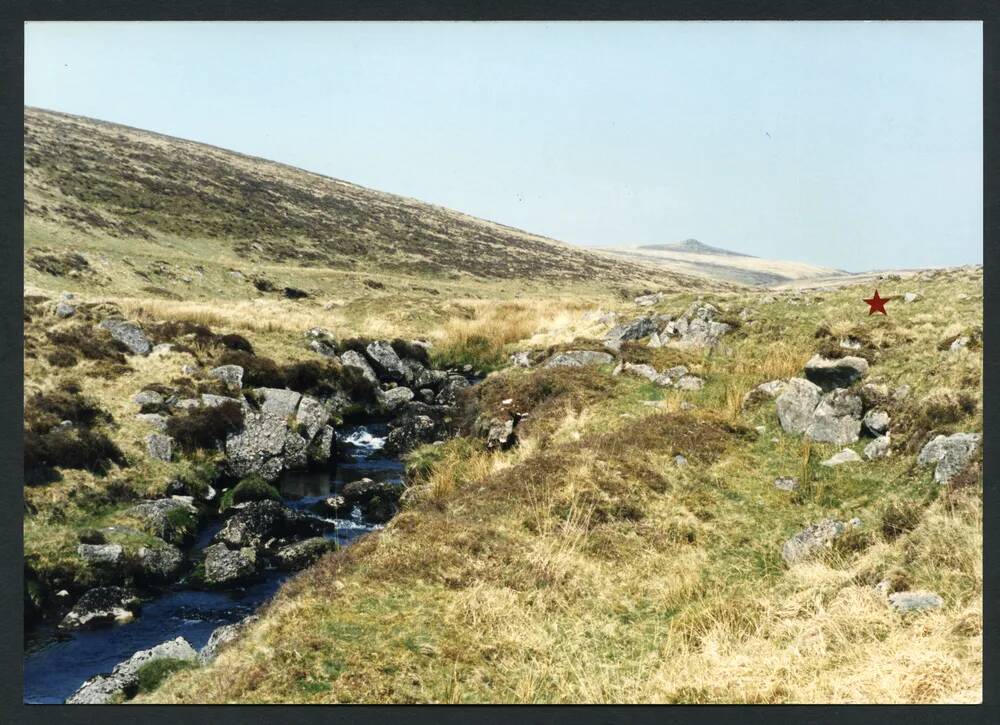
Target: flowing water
column 57, row 662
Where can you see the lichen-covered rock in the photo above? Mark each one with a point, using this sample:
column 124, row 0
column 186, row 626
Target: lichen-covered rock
column 578, row 358
column 950, row 454
column 879, row 448
column 102, row 606
column 914, row 601
column 451, row 389
column 159, row 446
column 796, row 405
column 386, row 363
column 123, row 680
column 253, row 524
column 635, row 330
column 765, row 391
column 836, row 419
column 302, row 553
column 230, row 375
column 279, row 436
column 500, row 435
column 644, row 371
column 378, row 500
column 690, row 382
column 520, row 359
column 811, row 541
column 396, row 398
column 838, row 459
column 159, row 563
column 786, row 483
column 172, row 519
column 156, row 420
column 357, row 360
column 147, row 397
column 227, row 566
column 877, row 421
column 102, row 555
column 408, row 433
column 830, row 373
column 130, row 335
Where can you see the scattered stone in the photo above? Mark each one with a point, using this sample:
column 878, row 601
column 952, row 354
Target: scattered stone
column 910, row 297
column 878, row 448
column 65, row 309
column 680, row 460
column 123, row 681
column 230, row 375
column 648, row 300
column 837, row 372
column 643, row 371
column 520, row 359
column 914, row 601
column 578, row 358
column 960, row 343
column 102, row 606
column 901, row 392
column 811, row 541
column 147, row 397
column 690, row 382
column 226, row 566
column 877, row 421
column 678, row 371
column 155, row 420
column 845, row 456
column 129, row 334
column 796, row 404
column 500, row 435
column 850, row 343
column 786, row 483
column 950, row 454
column 765, row 391
column 159, row 446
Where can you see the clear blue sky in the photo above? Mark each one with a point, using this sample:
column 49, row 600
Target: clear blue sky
column 853, row 145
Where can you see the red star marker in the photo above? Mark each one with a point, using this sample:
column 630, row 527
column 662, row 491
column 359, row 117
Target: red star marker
column 876, row 304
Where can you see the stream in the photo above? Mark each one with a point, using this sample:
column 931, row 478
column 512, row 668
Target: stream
column 57, row 662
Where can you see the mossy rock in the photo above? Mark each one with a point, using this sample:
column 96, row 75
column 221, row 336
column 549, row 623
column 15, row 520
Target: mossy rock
column 251, row 488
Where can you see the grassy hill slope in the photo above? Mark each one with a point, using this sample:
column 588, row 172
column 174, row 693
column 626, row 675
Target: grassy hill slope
column 171, row 217
column 586, row 565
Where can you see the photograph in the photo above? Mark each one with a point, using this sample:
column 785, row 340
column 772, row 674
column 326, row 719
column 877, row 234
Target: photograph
column 501, row 363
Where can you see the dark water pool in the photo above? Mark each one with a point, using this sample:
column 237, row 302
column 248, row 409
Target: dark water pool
column 56, row 663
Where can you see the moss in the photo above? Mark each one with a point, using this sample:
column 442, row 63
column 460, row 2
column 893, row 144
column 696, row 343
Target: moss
column 151, row 674
column 251, row 488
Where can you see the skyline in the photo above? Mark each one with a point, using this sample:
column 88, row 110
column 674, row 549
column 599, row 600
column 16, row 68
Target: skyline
column 828, row 143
